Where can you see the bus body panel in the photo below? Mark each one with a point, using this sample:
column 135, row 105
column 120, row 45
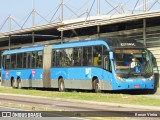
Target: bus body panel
column 81, row 77
column 47, row 66
column 74, row 77
column 29, row 77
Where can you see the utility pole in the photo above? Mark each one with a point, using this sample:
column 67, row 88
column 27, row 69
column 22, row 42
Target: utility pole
column 144, row 5
column 33, row 22
column 98, row 7
column 98, row 13
column 62, row 3
column 9, row 29
column 144, row 22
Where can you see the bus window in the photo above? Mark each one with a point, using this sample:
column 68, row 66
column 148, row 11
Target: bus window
column 3, row 62
column 87, row 56
column 24, row 60
column 68, row 57
column 39, row 59
column 19, row 60
column 106, row 64
column 77, row 56
column 97, row 56
column 53, row 58
column 59, row 55
column 7, row 61
column 28, row 60
column 13, row 61
column 33, row 59
column 63, row 61
column 106, row 61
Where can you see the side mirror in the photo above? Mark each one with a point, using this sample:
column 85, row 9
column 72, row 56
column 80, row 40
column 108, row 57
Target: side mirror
column 111, row 57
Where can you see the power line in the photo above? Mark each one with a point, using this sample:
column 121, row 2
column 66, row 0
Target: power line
column 90, row 9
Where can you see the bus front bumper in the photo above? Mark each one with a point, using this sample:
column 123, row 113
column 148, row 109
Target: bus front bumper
column 134, row 85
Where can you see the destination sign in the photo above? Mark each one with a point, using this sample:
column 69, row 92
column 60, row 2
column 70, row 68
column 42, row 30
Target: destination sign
column 128, row 44
column 127, row 51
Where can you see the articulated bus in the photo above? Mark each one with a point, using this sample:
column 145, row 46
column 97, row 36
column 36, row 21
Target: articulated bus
column 101, row 64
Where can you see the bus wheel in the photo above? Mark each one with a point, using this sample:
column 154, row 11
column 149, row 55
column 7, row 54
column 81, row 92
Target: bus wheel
column 19, row 83
column 12, row 82
column 61, row 85
column 96, row 86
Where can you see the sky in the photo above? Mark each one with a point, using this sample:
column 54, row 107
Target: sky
column 21, row 9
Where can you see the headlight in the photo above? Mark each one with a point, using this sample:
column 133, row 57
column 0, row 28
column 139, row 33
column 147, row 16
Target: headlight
column 151, row 78
column 119, row 78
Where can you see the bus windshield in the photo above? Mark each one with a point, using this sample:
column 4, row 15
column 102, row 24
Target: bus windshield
column 133, row 62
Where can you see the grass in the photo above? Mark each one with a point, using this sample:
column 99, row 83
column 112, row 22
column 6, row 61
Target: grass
column 100, row 97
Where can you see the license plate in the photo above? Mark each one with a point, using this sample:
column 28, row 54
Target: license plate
column 137, row 86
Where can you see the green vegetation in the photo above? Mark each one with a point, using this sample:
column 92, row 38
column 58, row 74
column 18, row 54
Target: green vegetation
column 100, row 97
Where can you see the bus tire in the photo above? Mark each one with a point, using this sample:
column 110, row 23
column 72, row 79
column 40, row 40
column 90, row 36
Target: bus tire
column 13, row 83
column 61, row 85
column 19, row 83
column 96, row 86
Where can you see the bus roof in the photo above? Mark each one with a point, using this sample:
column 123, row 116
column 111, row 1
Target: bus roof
column 25, row 49
column 82, row 43
column 110, row 43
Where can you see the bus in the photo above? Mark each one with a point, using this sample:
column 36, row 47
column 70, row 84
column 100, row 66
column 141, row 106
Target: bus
column 99, row 64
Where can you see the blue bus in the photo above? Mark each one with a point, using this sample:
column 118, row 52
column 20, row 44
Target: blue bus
column 100, row 64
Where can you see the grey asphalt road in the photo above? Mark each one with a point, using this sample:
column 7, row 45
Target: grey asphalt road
column 8, row 113
column 62, row 104
column 74, row 106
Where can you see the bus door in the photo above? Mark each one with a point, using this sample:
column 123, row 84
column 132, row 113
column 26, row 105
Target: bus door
column 47, row 66
column 106, row 63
